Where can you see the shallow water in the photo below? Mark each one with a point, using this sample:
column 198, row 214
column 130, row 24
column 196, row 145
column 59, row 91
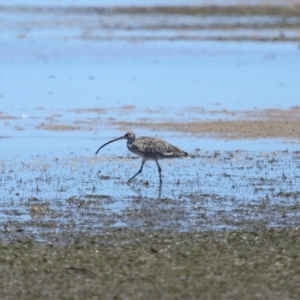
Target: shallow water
column 89, row 85
column 219, row 189
column 210, row 75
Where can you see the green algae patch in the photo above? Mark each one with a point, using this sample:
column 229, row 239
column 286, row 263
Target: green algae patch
column 124, row 264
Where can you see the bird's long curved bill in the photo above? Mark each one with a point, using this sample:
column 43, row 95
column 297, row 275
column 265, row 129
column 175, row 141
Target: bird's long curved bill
column 119, row 138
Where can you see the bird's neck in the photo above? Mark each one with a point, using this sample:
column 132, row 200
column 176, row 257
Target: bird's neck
column 129, row 143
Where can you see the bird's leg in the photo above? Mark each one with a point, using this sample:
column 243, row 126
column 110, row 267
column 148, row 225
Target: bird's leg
column 159, row 191
column 140, row 171
column 159, row 171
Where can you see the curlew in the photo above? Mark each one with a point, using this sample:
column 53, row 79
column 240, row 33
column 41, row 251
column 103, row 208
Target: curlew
column 149, row 148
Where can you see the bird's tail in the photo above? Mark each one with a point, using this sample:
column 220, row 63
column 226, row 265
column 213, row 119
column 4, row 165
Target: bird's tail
column 188, row 155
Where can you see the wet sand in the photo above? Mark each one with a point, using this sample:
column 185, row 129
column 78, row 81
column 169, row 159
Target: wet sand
column 270, row 123
column 218, row 124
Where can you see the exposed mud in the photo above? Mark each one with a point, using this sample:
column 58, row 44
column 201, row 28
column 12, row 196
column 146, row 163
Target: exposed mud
column 221, row 124
column 264, row 22
column 6, row 117
column 123, row 264
column 273, row 123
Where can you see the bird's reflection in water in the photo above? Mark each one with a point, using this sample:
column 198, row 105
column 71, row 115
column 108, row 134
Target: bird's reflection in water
column 149, row 209
column 139, row 190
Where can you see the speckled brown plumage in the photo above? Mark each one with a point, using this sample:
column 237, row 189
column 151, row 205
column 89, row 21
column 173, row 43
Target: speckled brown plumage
column 149, row 148
column 154, row 148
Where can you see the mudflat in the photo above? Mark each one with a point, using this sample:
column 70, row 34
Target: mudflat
column 220, row 82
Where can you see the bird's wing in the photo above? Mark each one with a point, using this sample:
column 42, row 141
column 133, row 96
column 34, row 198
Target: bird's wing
column 154, row 147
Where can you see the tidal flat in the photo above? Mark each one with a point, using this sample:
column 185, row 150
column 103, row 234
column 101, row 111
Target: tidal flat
column 223, row 225
column 124, row 264
column 218, row 80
